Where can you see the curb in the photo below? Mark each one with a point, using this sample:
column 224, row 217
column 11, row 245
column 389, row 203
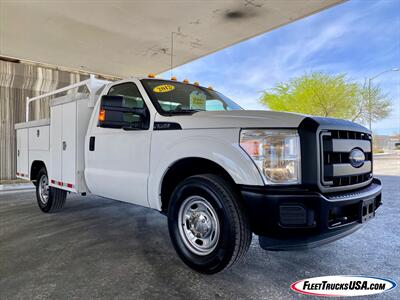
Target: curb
column 16, row 187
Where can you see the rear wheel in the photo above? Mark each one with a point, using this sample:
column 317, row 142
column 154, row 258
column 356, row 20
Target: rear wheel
column 49, row 199
column 207, row 224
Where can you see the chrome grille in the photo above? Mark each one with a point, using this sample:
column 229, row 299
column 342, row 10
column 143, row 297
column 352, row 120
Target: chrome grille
column 336, row 169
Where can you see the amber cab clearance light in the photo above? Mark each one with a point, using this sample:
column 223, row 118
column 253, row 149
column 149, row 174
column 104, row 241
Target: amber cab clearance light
column 196, row 83
column 151, row 75
column 102, row 115
column 210, row 88
column 173, row 78
column 185, row 81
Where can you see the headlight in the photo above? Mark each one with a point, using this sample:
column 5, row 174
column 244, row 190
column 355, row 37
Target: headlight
column 276, row 153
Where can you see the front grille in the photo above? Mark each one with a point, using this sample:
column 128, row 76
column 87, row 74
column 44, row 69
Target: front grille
column 353, row 135
column 336, row 168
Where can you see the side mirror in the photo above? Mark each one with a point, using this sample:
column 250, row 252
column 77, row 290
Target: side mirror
column 115, row 114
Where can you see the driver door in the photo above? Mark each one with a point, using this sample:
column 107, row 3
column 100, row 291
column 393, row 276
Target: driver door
column 118, row 157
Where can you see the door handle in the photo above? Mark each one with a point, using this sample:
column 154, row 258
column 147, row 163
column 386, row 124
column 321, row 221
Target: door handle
column 64, row 145
column 92, row 143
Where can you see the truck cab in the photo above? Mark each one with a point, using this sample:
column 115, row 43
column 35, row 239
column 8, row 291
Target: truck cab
column 218, row 172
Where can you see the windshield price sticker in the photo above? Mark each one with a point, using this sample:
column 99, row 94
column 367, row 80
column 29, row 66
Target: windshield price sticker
column 197, row 100
column 164, row 88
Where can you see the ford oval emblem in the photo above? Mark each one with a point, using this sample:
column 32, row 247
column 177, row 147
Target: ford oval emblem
column 356, row 157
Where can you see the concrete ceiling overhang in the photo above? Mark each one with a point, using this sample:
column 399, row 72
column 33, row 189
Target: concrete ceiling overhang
column 125, row 38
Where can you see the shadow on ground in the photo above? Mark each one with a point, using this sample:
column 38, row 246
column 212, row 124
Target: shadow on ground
column 102, row 248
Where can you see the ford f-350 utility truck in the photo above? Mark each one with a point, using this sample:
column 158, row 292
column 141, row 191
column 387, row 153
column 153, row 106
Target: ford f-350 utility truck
column 220, row 173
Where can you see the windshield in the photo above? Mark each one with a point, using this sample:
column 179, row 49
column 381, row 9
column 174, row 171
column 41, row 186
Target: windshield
column 176, row 97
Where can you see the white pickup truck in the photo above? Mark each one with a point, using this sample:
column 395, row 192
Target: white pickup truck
column 220, row 173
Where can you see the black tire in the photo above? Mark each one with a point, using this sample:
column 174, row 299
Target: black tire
column 55, row 199
column 234, row 231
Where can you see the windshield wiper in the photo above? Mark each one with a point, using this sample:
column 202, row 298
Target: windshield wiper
column 186, row 110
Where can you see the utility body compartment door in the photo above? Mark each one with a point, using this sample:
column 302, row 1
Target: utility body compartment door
column 63, row 147
column 55, row 172
column 22, row 153
column 39, row 138
column 68, row 143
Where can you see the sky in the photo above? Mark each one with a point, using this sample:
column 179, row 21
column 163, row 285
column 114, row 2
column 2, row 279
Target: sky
column 360, row 38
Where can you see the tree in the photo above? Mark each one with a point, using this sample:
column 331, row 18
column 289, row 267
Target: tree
column 373, row 104
column 315, row 94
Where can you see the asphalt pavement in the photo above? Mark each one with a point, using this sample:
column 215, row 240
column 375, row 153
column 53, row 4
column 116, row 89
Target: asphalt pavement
column 99, row 248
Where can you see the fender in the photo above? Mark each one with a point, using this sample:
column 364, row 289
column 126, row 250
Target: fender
column 38, row 157
column 218, row 145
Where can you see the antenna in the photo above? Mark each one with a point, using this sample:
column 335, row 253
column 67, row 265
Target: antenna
column 172, row 46
column 172, row 51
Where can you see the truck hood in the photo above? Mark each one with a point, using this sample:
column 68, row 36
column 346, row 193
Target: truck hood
column 235, row 119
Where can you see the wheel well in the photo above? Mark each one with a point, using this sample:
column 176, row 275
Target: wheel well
column 185, row 168
column 37, row 165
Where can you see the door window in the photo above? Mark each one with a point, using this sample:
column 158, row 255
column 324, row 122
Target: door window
column 132, row 98
column 130, row 92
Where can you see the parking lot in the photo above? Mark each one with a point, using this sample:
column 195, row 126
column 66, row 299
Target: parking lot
column 97, row 247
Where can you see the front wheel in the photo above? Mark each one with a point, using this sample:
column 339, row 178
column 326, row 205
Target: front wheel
column 207, row 224
column 49, row 199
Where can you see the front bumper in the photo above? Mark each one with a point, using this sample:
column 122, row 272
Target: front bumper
column 291, row 219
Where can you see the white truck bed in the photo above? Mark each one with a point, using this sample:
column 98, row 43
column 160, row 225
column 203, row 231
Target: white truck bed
column 59, row 142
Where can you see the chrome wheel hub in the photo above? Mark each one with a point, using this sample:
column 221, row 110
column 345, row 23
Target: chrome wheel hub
column 198, row 225
column 44, row 189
